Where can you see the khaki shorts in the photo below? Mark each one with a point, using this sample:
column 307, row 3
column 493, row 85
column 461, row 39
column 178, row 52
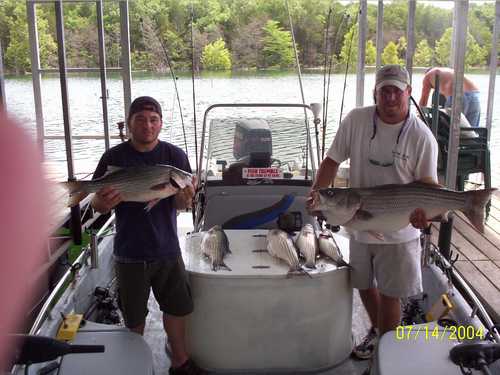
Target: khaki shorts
column 167, row 278
column 394, row 269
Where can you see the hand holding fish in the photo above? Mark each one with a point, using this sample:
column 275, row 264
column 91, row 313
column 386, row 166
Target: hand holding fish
column 184, row 197
column 106, row 198
column 418, row 219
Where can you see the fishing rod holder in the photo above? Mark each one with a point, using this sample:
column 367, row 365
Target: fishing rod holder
column 94, row 241
column 94, row 251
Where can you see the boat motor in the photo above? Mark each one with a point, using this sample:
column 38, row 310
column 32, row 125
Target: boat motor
column 36, row 349
column 253, row 142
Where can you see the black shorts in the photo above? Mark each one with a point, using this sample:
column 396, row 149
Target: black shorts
column 167, row 278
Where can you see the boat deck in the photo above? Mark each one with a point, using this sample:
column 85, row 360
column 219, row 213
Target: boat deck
column 479, row 254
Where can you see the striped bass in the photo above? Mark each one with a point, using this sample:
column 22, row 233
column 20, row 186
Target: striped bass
column 135, row 184
column 215, row 246
column 280, row 245
column 387, row 208
column 329, row 248
column 307, row 244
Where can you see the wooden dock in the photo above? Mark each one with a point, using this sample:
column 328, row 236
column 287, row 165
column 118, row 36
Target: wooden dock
column 479, row 254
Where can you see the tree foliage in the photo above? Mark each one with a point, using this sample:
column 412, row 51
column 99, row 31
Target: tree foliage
column 256, row 32
column 216, row 56
column 474, row 54
column 278, row 46
column 423, row 54
column 390, row 54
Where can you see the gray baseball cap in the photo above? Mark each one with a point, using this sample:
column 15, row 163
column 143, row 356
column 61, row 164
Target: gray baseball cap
column 392, row 75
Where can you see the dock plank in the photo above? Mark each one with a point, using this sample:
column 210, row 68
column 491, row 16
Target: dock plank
column 484, row 242
column 486, row 291
column 491, row 271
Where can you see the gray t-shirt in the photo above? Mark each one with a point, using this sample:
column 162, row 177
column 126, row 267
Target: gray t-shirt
column 410, row 158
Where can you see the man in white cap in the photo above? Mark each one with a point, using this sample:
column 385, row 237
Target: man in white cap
column 386, row 144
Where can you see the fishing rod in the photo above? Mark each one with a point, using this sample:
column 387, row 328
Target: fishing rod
column 325, row 63
column 174, row 79
column 325, row 110
column 192, row 81
column 297, row 63
column 347, row 65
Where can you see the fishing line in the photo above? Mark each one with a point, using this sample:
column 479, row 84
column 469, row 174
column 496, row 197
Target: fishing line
column 325, row 108
column 297, row 63
column 174, row 79
column 192, row 81
column 347, row 65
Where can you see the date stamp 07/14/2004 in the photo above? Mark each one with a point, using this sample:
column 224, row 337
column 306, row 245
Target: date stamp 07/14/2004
column 426, row 333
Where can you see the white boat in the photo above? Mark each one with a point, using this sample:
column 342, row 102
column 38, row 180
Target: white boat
column 256, row 316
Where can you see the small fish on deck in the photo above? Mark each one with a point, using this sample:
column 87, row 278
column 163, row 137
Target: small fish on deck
column 215, row 246
column 135, row 184
column 329, row 248
column 280, row 245
column 387, row 208
column 307, row 244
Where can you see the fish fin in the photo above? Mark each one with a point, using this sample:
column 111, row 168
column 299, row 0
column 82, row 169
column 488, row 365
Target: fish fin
column 362, row 215
column 178, row 182
column 475, row 202
column 72, row 186
column 76, row 198
column 151, row 204
column 377, row 235
column 111, row 169
column 159, row 186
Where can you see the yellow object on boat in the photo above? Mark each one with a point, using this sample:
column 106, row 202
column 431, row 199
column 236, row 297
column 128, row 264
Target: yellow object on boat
column 442, row 307
column 69, row 327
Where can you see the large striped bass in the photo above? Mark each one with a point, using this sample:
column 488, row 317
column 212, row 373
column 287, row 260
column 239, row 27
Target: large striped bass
column 307, row 244
column 136, row 184
column 215, row 246
column 387, row 208
column 280, row 245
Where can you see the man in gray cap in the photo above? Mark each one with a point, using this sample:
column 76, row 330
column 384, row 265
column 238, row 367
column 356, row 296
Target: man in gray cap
column 386, row 144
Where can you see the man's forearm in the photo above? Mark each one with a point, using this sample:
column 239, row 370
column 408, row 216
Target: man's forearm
column 326, row 173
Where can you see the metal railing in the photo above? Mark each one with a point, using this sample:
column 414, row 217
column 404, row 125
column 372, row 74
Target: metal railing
column 61, row 285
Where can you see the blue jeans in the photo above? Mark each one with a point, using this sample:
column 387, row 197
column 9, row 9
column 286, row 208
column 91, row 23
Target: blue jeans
column 471, row 107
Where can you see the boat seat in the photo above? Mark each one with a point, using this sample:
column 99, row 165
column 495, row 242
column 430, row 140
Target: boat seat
column 473, row 150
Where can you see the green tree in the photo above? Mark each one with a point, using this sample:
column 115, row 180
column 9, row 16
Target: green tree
column 443, row 48
column 390, row 54
column 474, row 55
column 17, row 51
column 371, row 53
column 423, row 54
column 351, row 43
column 278, row 46
column 216, row 56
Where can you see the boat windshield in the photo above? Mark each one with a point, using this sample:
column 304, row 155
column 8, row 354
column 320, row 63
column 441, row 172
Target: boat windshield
column 272, row 146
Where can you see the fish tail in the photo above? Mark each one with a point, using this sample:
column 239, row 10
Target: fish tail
column 475, row 201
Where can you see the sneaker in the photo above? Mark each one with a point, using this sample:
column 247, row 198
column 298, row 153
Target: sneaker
column 188, row 368
column 366, row 348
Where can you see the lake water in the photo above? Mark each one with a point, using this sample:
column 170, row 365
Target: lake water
column 86, row 110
